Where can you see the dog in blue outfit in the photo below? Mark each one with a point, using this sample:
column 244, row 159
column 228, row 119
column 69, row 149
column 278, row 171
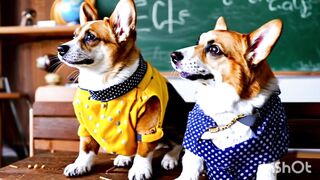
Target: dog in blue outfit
column 237, row 128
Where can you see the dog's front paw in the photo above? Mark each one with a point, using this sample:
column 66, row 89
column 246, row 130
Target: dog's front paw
column 76, row 169
column 122, row 161
column 169, row 162
column 141, row 169
column 82, row 165
column 192, row 166
column 170, row 159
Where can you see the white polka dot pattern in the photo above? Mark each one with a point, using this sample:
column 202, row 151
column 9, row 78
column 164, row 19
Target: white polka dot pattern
column 242, row 160
column 120, row 89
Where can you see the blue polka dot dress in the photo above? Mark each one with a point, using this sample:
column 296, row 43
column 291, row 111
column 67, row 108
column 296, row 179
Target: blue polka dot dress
column 242, row 160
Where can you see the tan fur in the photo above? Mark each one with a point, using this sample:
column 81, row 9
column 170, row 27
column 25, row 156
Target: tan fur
column 121, row 54
column 147, row 121
column 88, row 13
column 247, row 79
column 88, row 144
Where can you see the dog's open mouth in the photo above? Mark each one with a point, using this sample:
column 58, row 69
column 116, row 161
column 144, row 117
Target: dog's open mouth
column 196, row 76
column 85, row 61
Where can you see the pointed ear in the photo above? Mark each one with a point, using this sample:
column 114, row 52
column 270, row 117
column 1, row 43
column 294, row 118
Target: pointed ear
column 93, row 2
column 87, row 13
column 262, row 40
column 123, row 19
column 221, row 24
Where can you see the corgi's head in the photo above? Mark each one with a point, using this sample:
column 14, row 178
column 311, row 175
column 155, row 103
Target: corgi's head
column 230, row 57
column 103, row 46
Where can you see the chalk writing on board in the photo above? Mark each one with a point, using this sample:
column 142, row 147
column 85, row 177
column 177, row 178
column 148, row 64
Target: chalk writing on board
column 304, row 7
column 158, row 54
column 141, row 17
column 227, row 2
column 170, row 21
column 305, row 65
column 140, row 3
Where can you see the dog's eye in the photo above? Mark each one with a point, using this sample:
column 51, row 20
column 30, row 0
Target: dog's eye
column 89, row 37
column 214, row 50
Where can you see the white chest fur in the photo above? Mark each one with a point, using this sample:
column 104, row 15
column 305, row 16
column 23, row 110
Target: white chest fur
column 222, row 103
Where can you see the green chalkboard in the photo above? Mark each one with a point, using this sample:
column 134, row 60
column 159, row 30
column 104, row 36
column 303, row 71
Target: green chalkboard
column 167, row 25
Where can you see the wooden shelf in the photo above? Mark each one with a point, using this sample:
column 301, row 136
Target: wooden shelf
column 10, row 95
column 36, row 32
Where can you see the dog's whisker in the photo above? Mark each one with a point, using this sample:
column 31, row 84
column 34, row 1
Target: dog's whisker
column 54, row 67
column 73, row 76
column 54, row 63
column 60, row 66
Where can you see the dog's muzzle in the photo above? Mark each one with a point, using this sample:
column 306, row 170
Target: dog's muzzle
column 176, row 57
column 63, row 49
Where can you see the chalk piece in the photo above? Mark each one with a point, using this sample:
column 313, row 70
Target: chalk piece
column 104, row 178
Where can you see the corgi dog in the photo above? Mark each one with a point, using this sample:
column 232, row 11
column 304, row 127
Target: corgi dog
column 123, row 104
column 237, row 128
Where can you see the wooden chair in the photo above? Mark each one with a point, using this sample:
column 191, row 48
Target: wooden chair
column 7, row 95
column 53, row 125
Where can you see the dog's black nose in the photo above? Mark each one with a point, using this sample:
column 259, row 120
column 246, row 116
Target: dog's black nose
column 176, row 56
column 63, row 49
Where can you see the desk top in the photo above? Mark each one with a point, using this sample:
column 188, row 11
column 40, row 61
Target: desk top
column 56, row 162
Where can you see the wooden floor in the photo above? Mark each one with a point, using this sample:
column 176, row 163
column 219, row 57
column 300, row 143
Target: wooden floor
column 56, row 162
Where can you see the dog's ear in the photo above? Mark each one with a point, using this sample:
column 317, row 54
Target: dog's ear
column 221, row 24
column 262, row 40
column 123, row 19
column 87, row 13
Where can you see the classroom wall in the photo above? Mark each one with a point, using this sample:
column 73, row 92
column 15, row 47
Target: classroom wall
column 293, row 88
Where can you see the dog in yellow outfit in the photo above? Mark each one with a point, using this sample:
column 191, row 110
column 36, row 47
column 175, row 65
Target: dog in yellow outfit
column 112, row 123
column 123, row 104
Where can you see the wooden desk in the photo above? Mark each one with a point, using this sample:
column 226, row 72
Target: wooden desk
column 56, row 162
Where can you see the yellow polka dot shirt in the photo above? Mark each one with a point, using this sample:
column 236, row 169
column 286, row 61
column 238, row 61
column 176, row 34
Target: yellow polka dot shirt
column 112, row 124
